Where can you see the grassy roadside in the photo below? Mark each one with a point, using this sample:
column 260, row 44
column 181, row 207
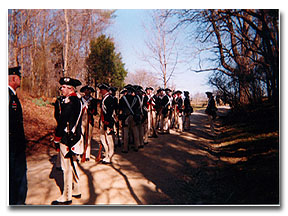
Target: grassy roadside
column 248, row 145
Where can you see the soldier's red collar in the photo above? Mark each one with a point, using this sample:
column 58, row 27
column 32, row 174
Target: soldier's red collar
column 72, row 94
column 106, row 94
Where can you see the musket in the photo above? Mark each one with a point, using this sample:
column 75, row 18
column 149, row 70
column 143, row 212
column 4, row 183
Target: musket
column 98, row 158
column 118, row 136
column 83, row 159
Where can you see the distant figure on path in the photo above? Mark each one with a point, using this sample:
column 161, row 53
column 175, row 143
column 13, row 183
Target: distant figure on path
column 211, row 111
column 188, row 109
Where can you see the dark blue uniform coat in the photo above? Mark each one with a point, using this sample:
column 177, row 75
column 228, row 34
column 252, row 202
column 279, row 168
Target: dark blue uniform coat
column 17, row 156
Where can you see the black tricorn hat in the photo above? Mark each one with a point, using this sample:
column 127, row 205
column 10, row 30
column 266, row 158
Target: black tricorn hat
column 159, row 90
column 87, row 87
column 178, row 91
column 123, row 91
column 208, row 93
column 130, row 89
column 113, row 89
column 186, row 92
column 103, row 86
column 168, row 90
column 151, row 88
column 69, row 81
column 128, row 86
column 15, row 71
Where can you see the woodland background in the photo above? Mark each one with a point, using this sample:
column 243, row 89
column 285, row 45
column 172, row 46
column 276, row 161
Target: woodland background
column 49, row 44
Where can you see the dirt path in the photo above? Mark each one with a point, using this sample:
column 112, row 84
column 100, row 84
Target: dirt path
column 165, row 171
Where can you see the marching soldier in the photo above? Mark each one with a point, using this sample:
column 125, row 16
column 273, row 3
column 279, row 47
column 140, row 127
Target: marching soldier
column 151, row 109
column 166, row 103
column 89, row 110
column 174, row 118
column 107, row 123
column 112, row 91
column 211, row 111
column 158, row 99
column 188, row 109
column 130, row 115
column 140, row 96
column 17, row 143
column 69, row 140
column 57, row 112
column 120, row 116
column 145, row 117
column 179, row 110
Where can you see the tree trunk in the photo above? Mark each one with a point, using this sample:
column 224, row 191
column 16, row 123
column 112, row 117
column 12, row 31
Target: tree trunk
column 66, row 43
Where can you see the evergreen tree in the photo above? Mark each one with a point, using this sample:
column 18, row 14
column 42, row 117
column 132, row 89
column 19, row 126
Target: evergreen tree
column 104, row 64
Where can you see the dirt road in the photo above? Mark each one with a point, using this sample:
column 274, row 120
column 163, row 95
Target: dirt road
column 171, row 169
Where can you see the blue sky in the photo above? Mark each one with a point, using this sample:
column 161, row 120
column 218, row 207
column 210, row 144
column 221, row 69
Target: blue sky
column 129, row 35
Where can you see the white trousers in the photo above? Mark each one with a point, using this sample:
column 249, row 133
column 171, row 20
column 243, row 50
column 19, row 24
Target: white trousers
column 151, row 122
column 180, row 121
column 145, row 131
column 71, row 183
column 88, row 150
column 108, row 144
column 165, row 123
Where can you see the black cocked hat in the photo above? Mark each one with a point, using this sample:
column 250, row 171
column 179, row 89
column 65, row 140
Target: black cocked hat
column 87, row 87
column 103, row 86
column 69, row 81
column 15, row 71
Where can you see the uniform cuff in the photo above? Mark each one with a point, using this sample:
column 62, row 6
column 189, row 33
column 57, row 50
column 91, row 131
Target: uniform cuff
column 57, row 139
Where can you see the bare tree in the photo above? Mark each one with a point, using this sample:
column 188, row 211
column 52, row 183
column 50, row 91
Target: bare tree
column 245, row 44
column 44, row 42
column 161, row 43
column 143, row 78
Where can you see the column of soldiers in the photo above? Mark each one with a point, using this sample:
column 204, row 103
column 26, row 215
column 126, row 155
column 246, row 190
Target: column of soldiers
column 126, row 122
column 129, row 121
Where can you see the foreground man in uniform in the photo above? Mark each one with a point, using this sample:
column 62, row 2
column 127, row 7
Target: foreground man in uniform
column 17, row 143
column 69, row 140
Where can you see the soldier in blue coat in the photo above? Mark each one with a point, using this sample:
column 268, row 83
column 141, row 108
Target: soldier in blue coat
column 166, row 104
column 107, row 123
column 17, row 143
column 130, row 115
column 68, row 139
column 188, row 109
column 211, row 111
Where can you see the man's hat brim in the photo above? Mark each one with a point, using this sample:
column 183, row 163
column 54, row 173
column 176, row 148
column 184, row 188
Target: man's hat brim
column 113, row 89
column 123, row 91
column 131, row 89
column 87, row 87
column 168, row 90
column 69, row 81
column 14, row 71
column 209, row 93
column 149, row 88
column 103, row 86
